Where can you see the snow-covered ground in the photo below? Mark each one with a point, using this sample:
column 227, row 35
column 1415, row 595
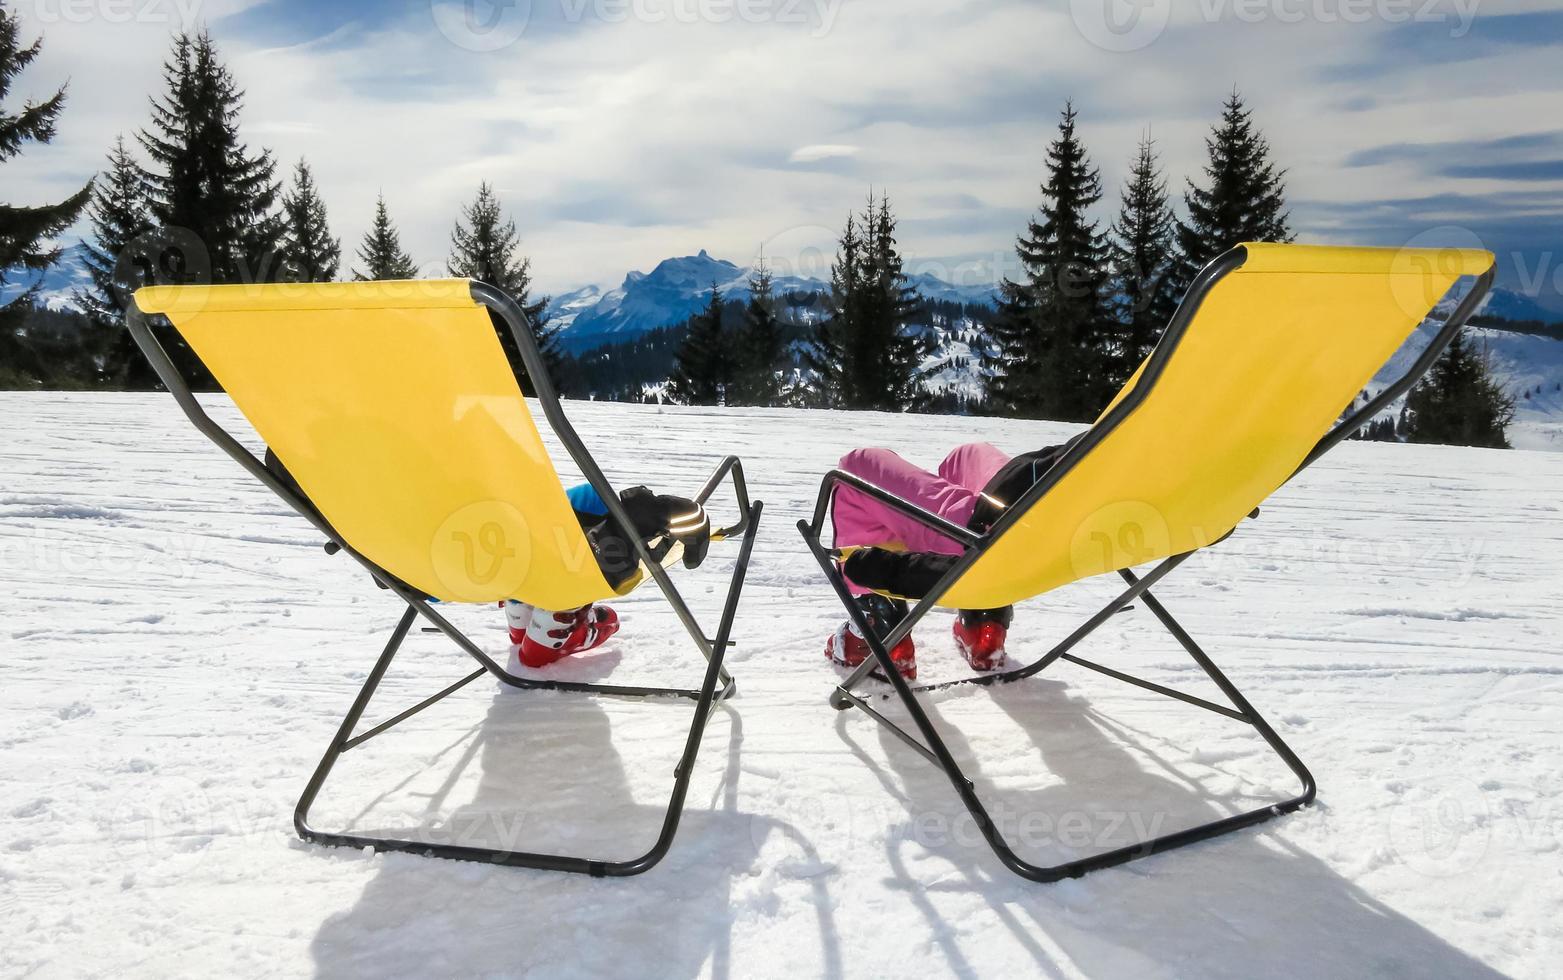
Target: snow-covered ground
column 177, row 650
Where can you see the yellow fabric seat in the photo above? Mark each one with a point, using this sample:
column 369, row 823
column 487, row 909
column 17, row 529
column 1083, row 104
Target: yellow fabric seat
column 393, row 406
column 1280, row 347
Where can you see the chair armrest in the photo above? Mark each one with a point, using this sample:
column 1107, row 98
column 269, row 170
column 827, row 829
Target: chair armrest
column 730, row 465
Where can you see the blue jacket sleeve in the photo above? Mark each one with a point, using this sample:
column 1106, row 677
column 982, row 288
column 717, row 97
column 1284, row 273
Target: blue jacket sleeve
column 585, row 500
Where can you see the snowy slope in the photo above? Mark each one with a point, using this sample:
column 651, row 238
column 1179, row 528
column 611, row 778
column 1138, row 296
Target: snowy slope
column 1523, row 363
column 177, row 650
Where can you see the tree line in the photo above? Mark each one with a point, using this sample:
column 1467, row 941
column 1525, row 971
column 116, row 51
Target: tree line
column 188, row 200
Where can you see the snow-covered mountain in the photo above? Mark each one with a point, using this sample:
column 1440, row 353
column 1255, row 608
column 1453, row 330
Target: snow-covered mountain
column 679, row 287
column 57, row 284
column 1506, row 303
column 1529, row 367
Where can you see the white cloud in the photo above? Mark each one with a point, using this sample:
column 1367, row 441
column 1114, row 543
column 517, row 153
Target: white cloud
column 821, row 151
column 616, row 142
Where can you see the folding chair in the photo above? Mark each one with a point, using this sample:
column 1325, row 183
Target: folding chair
column 392, row 407
column 1248, row 385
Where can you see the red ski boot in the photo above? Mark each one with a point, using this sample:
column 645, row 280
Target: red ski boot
column 550, row 637
column 980, row 635
column 847, row 647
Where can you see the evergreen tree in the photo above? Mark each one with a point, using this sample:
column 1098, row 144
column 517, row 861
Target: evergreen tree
column 1054, row 330
column 761, row 351
column 1142, row 262
column 1244, row 199
column 118, row 217
column 213, row 200
column 705, row 367
column 863, row 353
column 1459, row 403
column 309, row 253
column 483, row 247
column 25, row 232
column 381, row 251
column 203, row 177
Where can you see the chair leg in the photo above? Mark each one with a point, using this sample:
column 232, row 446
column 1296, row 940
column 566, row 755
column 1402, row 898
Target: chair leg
column 932, row 747
column 706, row 698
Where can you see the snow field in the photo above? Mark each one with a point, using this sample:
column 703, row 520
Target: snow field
column 177, row 651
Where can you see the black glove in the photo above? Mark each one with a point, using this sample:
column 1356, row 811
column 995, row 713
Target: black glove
column 986, row 513
column 662, row 520
column 910, row 575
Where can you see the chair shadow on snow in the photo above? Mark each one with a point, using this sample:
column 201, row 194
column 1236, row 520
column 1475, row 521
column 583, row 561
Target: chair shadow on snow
column 549, row 778
column 1245, row 905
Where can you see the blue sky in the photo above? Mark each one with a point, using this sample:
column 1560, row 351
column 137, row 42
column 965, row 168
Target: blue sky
column 620, row 132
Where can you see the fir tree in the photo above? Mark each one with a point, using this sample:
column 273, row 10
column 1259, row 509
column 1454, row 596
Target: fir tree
column 704, row 369
column 203, row 177
column 1459, row 403
column 760, row 348
column 483, row 247
column 118, row 216
column 309, row 253
column 213, row 200
column 25, row 232
column 863, row 353
column 1142, row 262
column 1244, row 199
column 381, row 251
column 1054, row 330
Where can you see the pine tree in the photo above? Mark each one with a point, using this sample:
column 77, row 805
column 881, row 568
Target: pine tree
column 864, row 354
column 213, row 200
column 705, row 369
column 118, row 216
column 203, row 178
column 26, row 231
column 483, row 247
column 1054, row 330
column 1142, row 262
column 309, row 253
column 1244, row 200
column 760, row 350
column 381, row 251
column 1459, row 403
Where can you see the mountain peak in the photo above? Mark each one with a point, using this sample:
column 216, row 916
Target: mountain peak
column 677, row 287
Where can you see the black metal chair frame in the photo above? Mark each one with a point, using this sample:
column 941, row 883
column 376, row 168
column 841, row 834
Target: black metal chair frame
column 716, row 686
column 927, row 741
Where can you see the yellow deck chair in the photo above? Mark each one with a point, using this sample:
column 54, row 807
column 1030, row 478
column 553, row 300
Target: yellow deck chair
column 401, row 424
column 1248, row 385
